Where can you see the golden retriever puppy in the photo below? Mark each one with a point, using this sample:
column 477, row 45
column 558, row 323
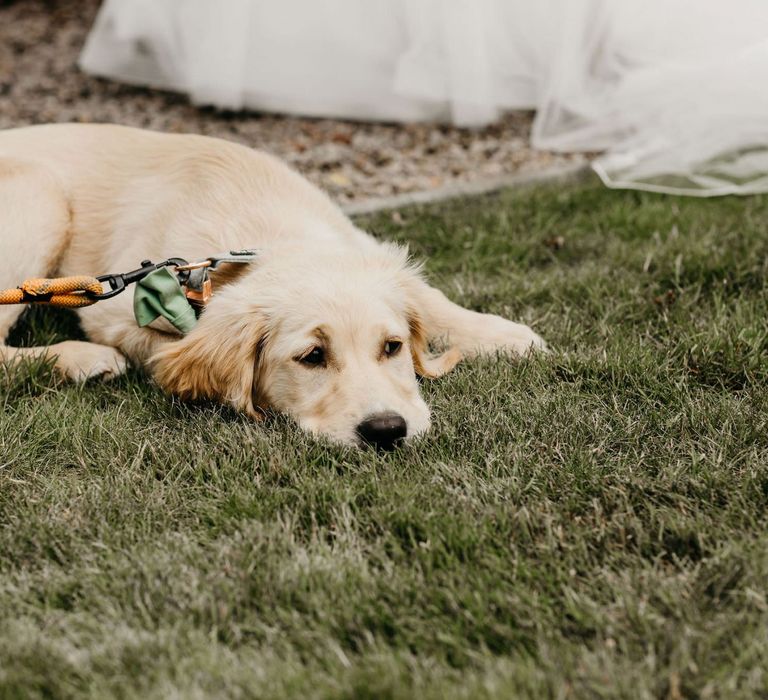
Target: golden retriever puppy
column 328, row 325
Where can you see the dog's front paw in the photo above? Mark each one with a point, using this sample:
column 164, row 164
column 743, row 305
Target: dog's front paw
column 503, row 336
column 522, row 341
column 79, row 361
column 527, row 341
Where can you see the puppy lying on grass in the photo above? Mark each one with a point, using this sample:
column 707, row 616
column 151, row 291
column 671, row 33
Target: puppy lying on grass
column 328, row 325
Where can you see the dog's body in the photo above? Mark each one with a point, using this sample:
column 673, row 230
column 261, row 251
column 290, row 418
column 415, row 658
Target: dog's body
column 313, row 328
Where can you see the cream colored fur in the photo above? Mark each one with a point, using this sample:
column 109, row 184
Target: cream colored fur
column 91, row 199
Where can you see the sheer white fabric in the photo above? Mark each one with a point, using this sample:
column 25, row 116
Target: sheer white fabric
column 672, row 91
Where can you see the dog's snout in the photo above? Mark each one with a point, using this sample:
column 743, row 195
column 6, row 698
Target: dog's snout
column 383, row 430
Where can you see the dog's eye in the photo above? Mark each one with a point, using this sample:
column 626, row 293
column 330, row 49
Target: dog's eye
column 316, row 356
column 392, row 347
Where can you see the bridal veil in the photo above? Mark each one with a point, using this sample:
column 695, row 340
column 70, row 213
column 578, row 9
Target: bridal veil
column 670, row 92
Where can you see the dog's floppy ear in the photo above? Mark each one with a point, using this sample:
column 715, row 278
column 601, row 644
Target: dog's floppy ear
column 425, row 364
column 422, row 323
column 220, row 359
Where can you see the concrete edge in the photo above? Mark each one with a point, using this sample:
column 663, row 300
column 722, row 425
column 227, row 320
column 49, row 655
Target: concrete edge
column 572, row 172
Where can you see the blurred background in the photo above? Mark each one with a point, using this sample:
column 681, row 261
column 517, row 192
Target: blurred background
column 385, row 97
column 40, row 81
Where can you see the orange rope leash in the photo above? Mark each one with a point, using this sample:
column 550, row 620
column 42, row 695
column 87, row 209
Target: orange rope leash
column 62, row 291
column 83, row 290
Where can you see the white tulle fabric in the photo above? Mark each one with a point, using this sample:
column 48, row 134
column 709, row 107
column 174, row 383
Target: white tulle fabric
column 674, row 93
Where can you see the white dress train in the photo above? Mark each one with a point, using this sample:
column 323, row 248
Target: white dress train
column 672, row 91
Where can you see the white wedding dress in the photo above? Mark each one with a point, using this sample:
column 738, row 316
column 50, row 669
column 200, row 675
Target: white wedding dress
column 673, row 92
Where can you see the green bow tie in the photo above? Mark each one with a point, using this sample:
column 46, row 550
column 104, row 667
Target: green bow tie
column 160, row 294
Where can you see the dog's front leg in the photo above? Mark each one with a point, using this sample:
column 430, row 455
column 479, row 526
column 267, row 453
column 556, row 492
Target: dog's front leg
column 468, row 332
column 112, row 323
column 35, row 221
column 73, row 359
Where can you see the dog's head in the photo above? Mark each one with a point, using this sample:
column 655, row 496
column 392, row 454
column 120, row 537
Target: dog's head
column 335, row 342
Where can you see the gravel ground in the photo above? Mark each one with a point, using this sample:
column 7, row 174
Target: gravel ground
column 40, row 82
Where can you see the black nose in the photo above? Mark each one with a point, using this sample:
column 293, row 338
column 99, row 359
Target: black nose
column 383, row 430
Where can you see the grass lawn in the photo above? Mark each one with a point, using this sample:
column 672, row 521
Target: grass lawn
column 593, row 523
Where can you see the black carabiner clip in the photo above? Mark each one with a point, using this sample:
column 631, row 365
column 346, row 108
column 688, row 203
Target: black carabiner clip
column 118, row 282
column 116, row 285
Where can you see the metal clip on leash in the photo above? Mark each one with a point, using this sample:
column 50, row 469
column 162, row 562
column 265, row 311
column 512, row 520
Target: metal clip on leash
column 119, row 281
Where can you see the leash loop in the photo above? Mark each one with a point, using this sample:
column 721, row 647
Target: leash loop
column 69, row 292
